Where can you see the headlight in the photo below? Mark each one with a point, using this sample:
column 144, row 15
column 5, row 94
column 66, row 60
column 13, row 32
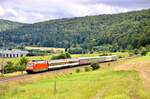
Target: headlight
column 30, row 67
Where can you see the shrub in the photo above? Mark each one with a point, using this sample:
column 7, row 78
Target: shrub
column 22, row 64
column 23, row 61
column 68, row 55
column 86, row 69
column 75, row 50
column 136, row 52
column 78, row 70
column 95, row 66
column 144, row 51
column 20, row 67
column 131, row 54
column 61, row 56
column 9, row 68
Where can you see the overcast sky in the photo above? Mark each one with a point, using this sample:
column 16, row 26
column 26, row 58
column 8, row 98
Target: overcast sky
column 31, row 11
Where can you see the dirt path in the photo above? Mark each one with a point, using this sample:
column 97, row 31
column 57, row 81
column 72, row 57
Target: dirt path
column 143, row 67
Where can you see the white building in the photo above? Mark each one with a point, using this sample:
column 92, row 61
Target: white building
column 12, row 53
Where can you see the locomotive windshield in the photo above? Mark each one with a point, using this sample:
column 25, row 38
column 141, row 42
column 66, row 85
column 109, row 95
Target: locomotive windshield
column 30, row 64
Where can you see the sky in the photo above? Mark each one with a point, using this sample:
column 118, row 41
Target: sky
column 32, row 11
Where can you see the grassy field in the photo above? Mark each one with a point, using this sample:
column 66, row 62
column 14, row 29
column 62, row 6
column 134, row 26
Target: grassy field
column 45, row 48
column 105, row 83
column 97, row 84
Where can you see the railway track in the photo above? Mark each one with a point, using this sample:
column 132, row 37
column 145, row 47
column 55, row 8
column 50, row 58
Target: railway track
column 12, row 78
column 7, row 79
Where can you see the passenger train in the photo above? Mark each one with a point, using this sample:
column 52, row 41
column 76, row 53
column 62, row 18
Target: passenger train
column 37, row 66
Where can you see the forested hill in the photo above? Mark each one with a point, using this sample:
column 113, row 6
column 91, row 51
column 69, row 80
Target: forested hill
column 9, row 25
column 119, row 31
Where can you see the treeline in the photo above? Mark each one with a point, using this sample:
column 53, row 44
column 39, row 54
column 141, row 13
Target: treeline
column 118, row 32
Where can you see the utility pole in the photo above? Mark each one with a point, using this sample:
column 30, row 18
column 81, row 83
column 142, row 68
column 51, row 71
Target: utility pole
column 2, row 66
column 55, row 89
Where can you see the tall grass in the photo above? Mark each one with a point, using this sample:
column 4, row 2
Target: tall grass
column 85, row 85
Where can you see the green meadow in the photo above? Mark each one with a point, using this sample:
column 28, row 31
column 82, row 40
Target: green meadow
column 107, row 84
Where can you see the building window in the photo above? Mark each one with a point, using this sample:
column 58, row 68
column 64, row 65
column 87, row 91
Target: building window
column 6, row 55
column 13, row 55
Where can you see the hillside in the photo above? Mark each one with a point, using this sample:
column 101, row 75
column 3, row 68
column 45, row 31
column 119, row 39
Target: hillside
column 9, row 25
column 109, row 32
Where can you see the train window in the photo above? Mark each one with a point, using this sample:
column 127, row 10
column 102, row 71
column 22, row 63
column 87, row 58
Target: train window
column 58, row 63
column 30, row 64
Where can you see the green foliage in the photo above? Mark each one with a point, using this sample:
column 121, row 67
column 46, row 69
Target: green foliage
column 148, row 47
column 23, row 61
column 8, row 25
column 20, row 67
column 22, row 64
column 86, row 69
column 75, row 50
column 61, row 56
column 9, row 67
column 95, row 66
column 68, row 55
column 136, row 51
column 144, row 51
column 78, row 70
column 94, row 33
column 37, row 53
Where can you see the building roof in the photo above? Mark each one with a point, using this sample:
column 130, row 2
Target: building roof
column 14, row 52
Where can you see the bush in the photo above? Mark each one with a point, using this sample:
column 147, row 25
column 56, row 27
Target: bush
column 144, row 51
column 131, row 54
column 20, row 67
column 75, row 50
column 95, row 66
column 68, row 55
column 23, row 61
column 61, row 56
column 22, row 64
column 86, row 69
column 78, row 70
column 9, row 68
column 136, row 52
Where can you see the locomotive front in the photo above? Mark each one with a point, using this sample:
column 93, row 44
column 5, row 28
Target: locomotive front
column 30, row 67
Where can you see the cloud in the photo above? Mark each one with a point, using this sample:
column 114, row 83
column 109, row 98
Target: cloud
column 2, row 11
column 30, row 11
column 121, row 3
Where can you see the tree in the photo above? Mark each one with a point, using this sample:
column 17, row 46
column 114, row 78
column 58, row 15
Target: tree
column 9, row 68
column 61, row 56
column 75, row 50
column 22, row 64
column 23, row 61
